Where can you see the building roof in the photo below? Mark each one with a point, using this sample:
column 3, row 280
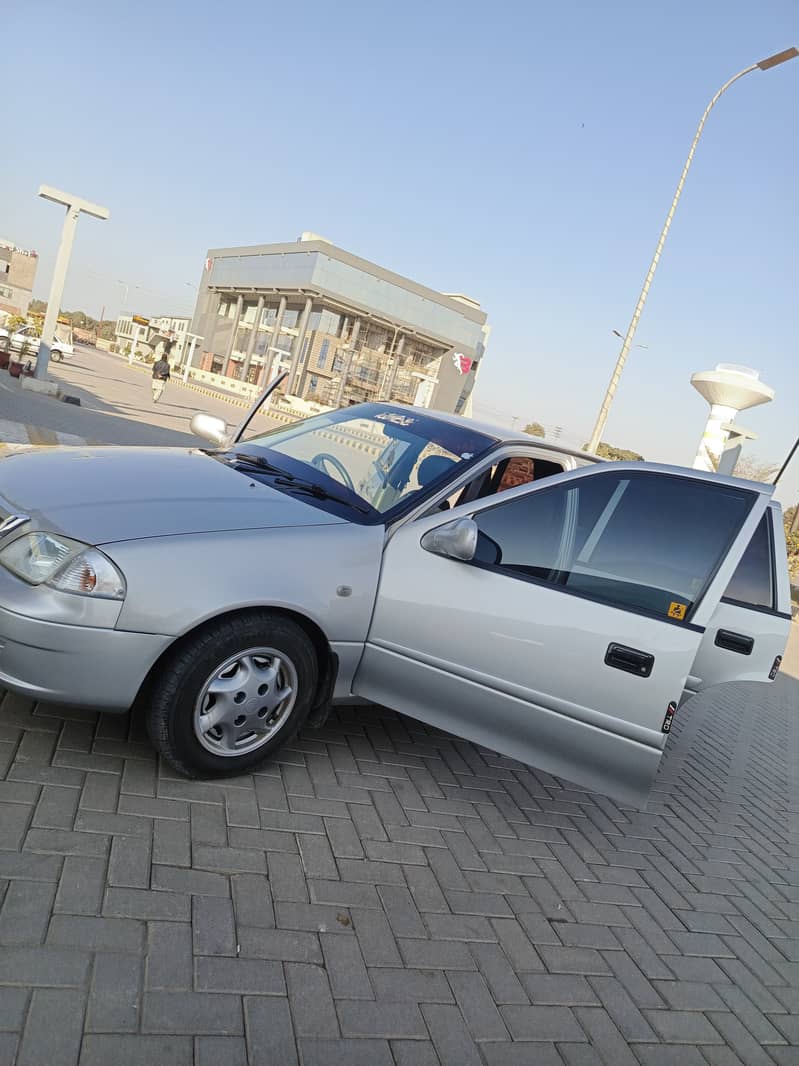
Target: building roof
column 316, row 268
column 466, row 306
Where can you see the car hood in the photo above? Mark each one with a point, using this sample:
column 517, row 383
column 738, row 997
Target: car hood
column 100, row 495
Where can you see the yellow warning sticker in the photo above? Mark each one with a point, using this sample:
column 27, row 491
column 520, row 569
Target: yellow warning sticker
column 677, row 610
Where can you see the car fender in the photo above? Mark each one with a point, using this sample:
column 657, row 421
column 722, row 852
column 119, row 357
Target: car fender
column 326, row 573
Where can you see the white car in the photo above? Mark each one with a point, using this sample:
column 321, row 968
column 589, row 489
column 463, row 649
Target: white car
column 26, row 340
column 548, row 606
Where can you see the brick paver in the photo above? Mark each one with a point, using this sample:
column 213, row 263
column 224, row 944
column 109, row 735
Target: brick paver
column 385, row 894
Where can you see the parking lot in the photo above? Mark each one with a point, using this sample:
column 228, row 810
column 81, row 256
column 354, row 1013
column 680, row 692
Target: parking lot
column 116, row 405
column 385, row 894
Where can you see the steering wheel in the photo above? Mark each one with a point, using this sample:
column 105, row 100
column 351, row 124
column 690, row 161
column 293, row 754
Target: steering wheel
column 321, row 458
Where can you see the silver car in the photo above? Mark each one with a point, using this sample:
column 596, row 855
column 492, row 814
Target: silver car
column 530, row 599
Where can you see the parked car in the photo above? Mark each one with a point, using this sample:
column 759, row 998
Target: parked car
column 376, row 553
column 26, row 340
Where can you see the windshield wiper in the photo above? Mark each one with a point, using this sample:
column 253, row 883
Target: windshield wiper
column 291, row 480
column 258, row 462
column 319, row 492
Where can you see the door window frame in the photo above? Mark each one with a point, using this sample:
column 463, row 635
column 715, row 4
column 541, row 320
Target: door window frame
column 768, row 518
column 618, row 470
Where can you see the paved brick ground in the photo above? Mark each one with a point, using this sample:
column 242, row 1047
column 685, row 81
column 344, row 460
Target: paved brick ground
column 389, row 896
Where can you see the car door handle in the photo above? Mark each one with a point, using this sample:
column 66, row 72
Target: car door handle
column 725, row 638
column 629, row 659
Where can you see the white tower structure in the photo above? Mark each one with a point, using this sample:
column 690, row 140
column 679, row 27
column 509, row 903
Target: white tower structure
column 728, row 389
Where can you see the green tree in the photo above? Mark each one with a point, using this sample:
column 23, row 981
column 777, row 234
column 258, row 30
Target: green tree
column 15, row 322
column 616, row 455
column 535, row 429
column 792, row 541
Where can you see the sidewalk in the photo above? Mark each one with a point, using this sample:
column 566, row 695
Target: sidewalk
column 177, row 379
column 213, row 391
column 16, row 435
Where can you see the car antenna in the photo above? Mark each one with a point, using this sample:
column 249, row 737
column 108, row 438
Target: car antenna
column 784, row 466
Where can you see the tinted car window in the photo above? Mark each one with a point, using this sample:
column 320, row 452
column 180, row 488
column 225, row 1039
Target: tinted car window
column 649, row 542
column 752, row 582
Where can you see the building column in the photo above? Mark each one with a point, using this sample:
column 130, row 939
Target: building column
column 271, row 356
column 392, row 374
column 234, row 330
column 211, row 318
column 345, row 366
column 390, row 354
column 253, row 336
column 190, row 356
column 296, row 348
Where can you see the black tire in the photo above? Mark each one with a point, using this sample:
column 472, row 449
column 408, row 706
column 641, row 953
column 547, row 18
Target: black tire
column 182, row 677
column 56, row 356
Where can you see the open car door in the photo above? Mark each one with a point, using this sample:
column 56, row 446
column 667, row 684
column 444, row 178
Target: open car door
column 558, row 623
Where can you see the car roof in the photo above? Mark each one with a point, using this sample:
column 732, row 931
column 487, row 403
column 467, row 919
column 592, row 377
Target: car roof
column 501, row 433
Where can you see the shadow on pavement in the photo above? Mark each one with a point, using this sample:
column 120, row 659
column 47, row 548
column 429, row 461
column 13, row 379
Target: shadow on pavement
column 99, row 422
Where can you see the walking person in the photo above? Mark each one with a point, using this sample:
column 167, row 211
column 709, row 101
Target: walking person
column 160, row 377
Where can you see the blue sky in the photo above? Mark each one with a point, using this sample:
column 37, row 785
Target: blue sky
column 523, row 153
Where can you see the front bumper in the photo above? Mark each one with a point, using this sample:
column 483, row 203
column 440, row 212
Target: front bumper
column 74, row 665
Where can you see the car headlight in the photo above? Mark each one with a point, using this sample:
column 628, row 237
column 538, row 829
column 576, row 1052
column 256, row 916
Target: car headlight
column 64, row 564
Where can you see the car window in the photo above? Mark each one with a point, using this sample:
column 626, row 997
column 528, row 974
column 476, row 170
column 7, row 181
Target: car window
column 752, row 583
column 520, row 470
column 507, row 473
column 645, row 541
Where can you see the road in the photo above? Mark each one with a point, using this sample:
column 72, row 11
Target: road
column 116, row 405
column 382, row 894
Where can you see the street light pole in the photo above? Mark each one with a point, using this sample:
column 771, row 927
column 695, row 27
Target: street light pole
column 764, row 64
column 74, row 206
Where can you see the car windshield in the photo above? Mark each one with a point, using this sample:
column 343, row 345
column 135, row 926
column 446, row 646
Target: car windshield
column 383, row 455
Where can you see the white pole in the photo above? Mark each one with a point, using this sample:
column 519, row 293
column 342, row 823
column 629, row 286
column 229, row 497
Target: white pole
column 189, row 357
column 134, row 342
column 596, row 436
column 56, row 290
column 74, row 205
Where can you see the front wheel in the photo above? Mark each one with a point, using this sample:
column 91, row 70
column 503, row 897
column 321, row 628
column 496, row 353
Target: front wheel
column 56, row 356
column 232, row 695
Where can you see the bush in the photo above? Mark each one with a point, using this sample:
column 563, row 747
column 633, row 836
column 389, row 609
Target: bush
column 792, row 542
column 616, row 455
column 535, row 429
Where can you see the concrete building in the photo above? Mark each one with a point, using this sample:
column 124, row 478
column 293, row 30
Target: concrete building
column 17, row 274
column 346, row 329
column 153, row 337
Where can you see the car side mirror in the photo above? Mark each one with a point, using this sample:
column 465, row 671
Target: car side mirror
column 455, row 540
column 211, row 429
